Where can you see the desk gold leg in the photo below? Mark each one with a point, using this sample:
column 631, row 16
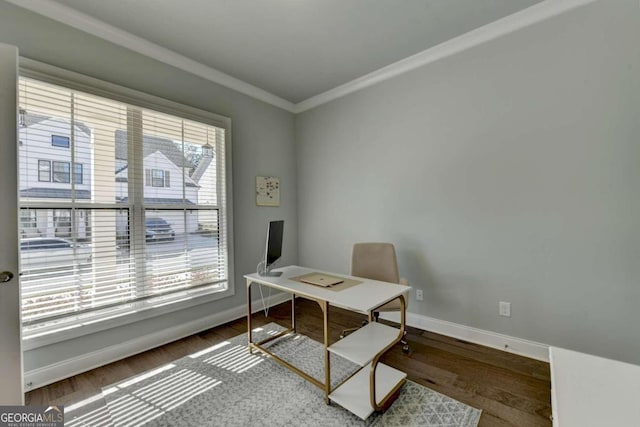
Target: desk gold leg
column 293, row 312
column 327, row 364
column 250, row 341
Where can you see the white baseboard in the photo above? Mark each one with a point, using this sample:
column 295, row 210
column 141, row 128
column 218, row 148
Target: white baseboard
column 85, row 362
column 506, row 343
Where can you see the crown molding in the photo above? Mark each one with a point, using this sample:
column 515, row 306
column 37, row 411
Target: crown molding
column 524, row 18
column 88, row 24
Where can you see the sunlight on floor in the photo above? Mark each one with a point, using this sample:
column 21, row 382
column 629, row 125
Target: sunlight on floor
column 153, row 400
column 98, row 417
column 236, row 359
column 136, row 379
column 167, row 387
column 209, row 350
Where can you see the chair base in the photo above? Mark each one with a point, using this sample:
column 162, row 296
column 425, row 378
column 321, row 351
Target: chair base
column 405, row 346
column 346, row 332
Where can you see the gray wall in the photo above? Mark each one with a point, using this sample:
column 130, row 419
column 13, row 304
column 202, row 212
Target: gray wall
column 263, row 144
column 506, row 172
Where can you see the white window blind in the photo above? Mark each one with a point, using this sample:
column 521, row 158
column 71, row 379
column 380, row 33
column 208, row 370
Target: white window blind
column 97, row 240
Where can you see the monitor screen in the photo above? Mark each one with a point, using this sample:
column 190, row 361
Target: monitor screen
column 274, row 241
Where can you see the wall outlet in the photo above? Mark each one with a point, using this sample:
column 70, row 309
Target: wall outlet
column 419, row 296
column 505, row 309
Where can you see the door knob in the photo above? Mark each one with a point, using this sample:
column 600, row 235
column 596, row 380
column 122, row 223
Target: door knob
column 6, row 276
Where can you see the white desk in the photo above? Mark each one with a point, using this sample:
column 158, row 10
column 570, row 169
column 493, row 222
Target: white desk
column 593, row 391
column 376, row 385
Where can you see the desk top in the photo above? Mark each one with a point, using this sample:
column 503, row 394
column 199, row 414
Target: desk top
column 363, row 297
column 593, row 391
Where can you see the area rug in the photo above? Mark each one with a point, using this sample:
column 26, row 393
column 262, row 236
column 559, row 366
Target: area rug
column 224, row 385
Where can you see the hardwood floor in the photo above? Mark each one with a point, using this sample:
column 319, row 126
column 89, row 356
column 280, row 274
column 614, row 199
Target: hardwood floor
column 511, row 390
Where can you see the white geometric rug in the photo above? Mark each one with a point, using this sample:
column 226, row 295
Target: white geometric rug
column 226, row 386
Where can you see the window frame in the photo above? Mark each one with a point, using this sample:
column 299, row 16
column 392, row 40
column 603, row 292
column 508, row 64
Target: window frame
column 42, row 162
column 66, row 173
column 66, row 144
column 157, row 181
column 144, row 309
column 77, row 174
column 32, row 218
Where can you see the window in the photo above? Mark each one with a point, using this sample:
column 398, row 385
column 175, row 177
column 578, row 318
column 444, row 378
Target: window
column 28, row 219
column 157, row 178
column 118, row 247
column 60, row 141
column 62, row 223
column 44, row 170
column 77, row 173
column 61, row 172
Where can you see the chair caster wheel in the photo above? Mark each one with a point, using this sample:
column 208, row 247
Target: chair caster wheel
column 365, row 323
column 405, row 348
column 341, row 336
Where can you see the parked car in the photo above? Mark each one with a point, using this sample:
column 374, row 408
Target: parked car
column 157, row 229
column 43, row 252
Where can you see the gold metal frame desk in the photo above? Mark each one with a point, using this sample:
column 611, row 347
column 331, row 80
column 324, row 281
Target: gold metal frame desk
column 364, row 347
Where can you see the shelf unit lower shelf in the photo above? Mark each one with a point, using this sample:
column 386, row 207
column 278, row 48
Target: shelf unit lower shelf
column 354, row 393
column 361, row 347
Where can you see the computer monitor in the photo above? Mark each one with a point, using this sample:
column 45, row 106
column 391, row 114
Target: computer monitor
column 273, row 250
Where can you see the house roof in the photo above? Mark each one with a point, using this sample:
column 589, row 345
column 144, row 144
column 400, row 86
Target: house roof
column 54, row 193
column 125, row 179
column 151, row 144
column 30, row 119
column 160, row 201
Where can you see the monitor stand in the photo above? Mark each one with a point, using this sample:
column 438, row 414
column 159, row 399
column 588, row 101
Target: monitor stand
column 271, row 274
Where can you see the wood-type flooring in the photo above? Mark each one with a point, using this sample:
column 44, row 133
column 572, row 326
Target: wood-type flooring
column 511, row 390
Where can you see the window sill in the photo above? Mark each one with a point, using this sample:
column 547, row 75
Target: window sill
column 135, row 312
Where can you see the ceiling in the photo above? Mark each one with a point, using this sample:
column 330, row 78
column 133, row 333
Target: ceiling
column 296, row 49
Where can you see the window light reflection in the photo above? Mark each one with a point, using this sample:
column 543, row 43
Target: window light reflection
column 209, row 350
column 98, row 417
column 164, row 394
column 236, row 359
column 168, row 386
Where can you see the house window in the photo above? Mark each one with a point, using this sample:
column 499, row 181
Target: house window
column 158, row 178
column 62, row 223
column 77, row 173
column 28, row 219
column 148, row 229
column 61, row 172
column 44, row 171
column 60, row 141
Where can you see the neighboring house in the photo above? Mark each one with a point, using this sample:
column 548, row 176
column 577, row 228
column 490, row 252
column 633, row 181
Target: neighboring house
column 163, row 163
column 46, row 174
column 45, row 169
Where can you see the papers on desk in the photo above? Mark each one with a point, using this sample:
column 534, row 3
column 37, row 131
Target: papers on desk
column 319, row 279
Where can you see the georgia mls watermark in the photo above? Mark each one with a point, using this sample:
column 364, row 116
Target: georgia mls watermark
column 32, row 416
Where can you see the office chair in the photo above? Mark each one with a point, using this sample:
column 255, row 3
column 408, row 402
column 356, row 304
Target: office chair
column 377, row 261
